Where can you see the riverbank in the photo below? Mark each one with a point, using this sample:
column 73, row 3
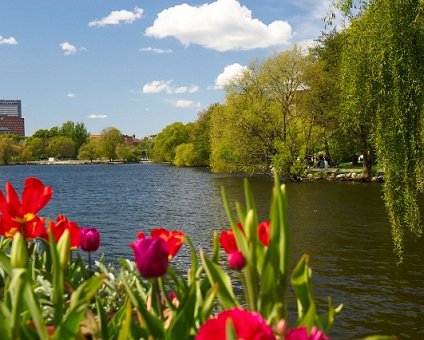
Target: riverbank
column 339, row 174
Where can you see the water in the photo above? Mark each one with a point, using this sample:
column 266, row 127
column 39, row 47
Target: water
column 343, row 226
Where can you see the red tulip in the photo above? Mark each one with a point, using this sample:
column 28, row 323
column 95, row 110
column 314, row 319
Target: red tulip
column 89, row 239
column 60, row 226
column 22, row 216
column 247, row 325
column 228, row 240
column 151, row 256
column 174, row 239
column 263, row 231
column 236, row 260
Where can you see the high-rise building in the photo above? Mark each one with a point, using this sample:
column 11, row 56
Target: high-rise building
column 11, row 121
column 10, row 108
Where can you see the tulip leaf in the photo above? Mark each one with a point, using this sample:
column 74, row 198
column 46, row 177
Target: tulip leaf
column 125, row 329
column 194, row 260
column 230, row 332
column 184, row 318
column 35, row 311
column 70, row 325
column 250, row 200
column 216, row 275
column 153, row 325
column 102, row 319
column 5, row 263
column 58, row 280
column 208, row 302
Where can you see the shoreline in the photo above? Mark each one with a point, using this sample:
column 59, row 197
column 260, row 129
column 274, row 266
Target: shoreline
column 310, row 175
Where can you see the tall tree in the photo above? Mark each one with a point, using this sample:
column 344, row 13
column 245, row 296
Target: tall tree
column 108, row 141
column 391, row 36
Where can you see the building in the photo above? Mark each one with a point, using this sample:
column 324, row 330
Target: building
column 11, row 121
column 10, row 108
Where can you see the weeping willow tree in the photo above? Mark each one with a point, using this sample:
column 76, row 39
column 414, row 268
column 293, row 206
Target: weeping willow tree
column 384, row 77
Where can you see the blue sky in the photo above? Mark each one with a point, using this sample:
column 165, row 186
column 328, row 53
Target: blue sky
column 138, row 65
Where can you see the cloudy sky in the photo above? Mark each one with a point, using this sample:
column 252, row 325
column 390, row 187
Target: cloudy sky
column 138, row 65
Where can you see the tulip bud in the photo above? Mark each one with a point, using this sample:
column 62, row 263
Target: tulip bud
column 89, row 239
column 18, row 253
column 236, row 260
column 151, row 256
column 64, row 248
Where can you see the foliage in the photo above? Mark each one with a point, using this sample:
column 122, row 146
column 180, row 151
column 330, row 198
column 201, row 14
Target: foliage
column 167, row 141
column 8, row 149
column 109, row 139
column 185, row 155
column 45, row 295
column 384, row 77
column 89, row 150
column 126, row 153
column 61, row 147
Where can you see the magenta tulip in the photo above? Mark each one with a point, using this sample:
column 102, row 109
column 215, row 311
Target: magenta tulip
column 236, row 260
column 151, row 256
column 89, row 239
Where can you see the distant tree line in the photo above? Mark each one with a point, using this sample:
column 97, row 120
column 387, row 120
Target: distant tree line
column 71, row 141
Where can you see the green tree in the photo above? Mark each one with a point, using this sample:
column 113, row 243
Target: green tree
column 77, row 132
column 109, row 138
column 126, row 153
column 185, row 155
column 8, row 149
column 167, row 140
column 390, row 45
column 61, row 147
column 37, row 147
column 89, row 150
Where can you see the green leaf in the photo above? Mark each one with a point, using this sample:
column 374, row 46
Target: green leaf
column 184, row 317
column 125, row 329
column 230, row 332
column 152, row 324
column 35, row 311
column 5, row 263
column 208, row 303
column 194, row 260
column 69, row 326
column 216, row 275
column 102, row 319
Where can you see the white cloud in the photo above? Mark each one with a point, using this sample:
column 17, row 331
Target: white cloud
column 68, row 48
column 117, row 17
column 71, row 95
column 230, row 73
column 158, row 86
column 223, row 25
column 186, row 103
column 8, row 41
column 155, row 50
column 92, row 116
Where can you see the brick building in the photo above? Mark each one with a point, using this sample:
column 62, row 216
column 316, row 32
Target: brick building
column 12, row 125
column 11, row 121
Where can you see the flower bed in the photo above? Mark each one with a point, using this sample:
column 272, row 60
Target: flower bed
column 49, row 293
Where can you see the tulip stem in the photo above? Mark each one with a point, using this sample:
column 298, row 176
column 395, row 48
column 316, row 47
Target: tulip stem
column 89, row 262
column 156, row 297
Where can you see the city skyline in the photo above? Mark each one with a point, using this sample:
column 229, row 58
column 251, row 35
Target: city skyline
column 138, row 65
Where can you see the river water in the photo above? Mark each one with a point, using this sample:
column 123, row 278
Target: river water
column 343, row 227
